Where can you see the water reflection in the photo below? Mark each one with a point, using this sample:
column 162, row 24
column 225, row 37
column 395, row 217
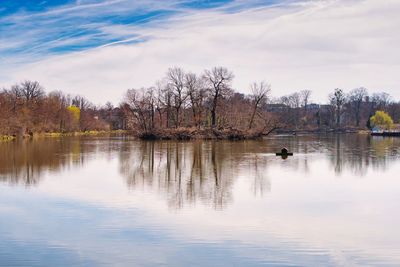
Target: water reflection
column 97, row 201
column 186, row 172
column 25, row 161
column 359, row 152
column 205, row 171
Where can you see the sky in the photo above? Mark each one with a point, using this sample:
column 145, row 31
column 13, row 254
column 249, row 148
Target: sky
column 101, row 48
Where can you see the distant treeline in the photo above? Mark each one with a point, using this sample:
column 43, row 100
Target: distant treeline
column 25, row 109
column 207, row 100
column 185, row 100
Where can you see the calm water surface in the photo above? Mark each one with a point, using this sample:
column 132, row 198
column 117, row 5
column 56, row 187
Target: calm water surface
column 113, row 201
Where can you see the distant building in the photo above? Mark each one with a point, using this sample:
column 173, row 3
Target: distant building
column 325, row 107
column 313, row 106
column 276, row 107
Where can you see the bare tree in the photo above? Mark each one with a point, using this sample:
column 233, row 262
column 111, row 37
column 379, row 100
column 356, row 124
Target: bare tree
column 218, row 81
column 151, row 99
column 381, row 100
column 394, row 110
column 175, row 78
column 191, row 84
column 337, row 100
column 196, row 93
column 259, row 94
column 31, row 91
column 163, row 102
column 291, row 109
column 81, row 102
column 15, row 96
column 138, row 105
column 305, row 98
column 356, row 98
column 294, row 100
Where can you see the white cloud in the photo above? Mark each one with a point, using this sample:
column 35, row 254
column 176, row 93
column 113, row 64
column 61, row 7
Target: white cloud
column 314, row 45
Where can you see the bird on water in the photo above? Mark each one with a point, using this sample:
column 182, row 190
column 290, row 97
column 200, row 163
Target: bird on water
column 284, row 153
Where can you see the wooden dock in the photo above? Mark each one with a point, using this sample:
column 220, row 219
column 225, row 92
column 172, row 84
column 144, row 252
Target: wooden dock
column 386, row 133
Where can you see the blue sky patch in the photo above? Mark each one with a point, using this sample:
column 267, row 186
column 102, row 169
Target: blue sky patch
column 32, row 30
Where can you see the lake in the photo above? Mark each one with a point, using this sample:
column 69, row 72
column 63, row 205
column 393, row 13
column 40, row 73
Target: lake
column 115, row 201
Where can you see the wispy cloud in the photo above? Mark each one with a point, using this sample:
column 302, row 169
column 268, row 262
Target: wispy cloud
column 40, row 33
column 100, row 49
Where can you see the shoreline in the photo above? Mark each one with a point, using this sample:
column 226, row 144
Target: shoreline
column 191, row 134
column 9, row 138
column 234, row 134
column 78, row 133
column 6, row 138
column 198, row 134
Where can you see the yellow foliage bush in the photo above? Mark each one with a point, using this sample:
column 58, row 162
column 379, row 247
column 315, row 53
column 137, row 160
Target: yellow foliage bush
column 382, row 119
column 75, row 113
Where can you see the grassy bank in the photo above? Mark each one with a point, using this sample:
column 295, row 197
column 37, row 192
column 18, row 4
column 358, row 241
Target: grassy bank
column 366, row 132
column 81, row 133
column 6, row 138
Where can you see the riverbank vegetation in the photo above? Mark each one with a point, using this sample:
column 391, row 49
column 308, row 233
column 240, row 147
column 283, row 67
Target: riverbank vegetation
column 204, row 105
column 26, row 109
column 382, row 120
column 186, row 105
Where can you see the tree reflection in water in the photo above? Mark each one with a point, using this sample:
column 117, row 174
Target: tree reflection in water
column 196, row 171
column 26, row 161
column 358, row 153
column 206, row 171
column 185, row 171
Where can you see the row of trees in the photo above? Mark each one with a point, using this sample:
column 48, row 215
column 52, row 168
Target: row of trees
column 357, row 107
column 185, row 99
column 352, row 109
column 25, row 108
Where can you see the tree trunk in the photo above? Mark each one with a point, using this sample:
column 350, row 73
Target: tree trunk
column 252, row 117
column 358, row 114
column 177, row 117
column 213, row 118
column 167, row 120
column 338, row 118
column 160, row 116
column 214, row 111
